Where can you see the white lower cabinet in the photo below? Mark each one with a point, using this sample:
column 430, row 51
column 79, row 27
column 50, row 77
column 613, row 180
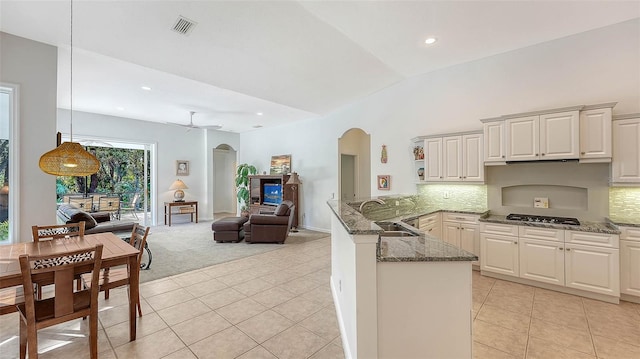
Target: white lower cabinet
column 581, row 260
column 542, row 261
column 594, row 269
column 461, row 230
column 431, row 225
column 630, row 261
column 499, row 254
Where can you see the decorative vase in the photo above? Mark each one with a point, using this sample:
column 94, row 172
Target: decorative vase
column 421, row 173
column 383, row 156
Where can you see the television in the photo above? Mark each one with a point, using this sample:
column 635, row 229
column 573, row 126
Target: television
column 272, row 194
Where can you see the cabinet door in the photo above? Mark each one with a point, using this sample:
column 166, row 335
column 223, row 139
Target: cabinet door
column 595, row 134
column 630, row 267
column 594, row 269
column 451, row 233
column 472, row 164
column 433, row 155
column 560, row 136
column 470, row 239
column 452, row 159
column 522, row 138
column 542, row 261
column 625, row 165
column 494, row 137
column 499, row 254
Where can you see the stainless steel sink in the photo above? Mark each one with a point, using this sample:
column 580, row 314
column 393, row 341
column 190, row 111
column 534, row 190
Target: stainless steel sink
column 393, row 229
column 397, row 234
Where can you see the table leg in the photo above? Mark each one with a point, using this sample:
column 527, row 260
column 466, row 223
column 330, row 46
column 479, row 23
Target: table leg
column 196, row 212
column 134, row 292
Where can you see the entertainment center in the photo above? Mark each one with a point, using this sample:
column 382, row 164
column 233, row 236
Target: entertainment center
column 267, row 191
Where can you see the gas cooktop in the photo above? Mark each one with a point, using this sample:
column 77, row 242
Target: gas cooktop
column 543, row 219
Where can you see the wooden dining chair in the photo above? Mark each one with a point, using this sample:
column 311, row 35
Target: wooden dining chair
column 67, row 304
column 10, row 298
column 57, row 231
column 53, row 232
column 116, row 277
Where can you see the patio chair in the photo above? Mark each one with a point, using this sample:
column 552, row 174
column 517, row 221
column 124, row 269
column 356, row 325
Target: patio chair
column 132, row 206
column 67, row 304
column 82, row 203
column 110, row 204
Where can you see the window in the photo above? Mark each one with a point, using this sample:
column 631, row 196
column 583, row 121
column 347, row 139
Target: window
column 8, row 162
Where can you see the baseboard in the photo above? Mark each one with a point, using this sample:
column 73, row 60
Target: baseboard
column 629, row 298
column 323, row 230
column 343, row 333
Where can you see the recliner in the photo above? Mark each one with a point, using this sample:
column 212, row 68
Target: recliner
column 270, row 228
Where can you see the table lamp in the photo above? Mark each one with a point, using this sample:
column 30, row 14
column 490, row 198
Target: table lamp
column 178, row 195
column 294, row 181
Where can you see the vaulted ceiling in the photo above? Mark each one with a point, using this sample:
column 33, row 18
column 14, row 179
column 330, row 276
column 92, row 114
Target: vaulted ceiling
column 288, row 60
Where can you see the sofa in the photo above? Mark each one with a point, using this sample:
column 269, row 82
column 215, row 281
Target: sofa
column 95, row 222
column 272, row 227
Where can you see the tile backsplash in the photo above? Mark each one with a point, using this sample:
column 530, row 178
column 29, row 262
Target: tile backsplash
column 455, row 196
column 624, row 202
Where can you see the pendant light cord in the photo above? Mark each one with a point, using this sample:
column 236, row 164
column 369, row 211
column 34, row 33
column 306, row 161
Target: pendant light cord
column 71, row 85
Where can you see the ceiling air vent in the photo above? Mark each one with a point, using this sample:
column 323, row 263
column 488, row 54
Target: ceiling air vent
column 183, row 25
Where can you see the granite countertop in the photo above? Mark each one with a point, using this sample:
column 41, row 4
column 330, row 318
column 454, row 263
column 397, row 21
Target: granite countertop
column 595, row 227
column 625, row 220
column 421, row 248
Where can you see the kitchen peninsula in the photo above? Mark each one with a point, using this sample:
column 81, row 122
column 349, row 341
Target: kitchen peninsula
column 398, row 296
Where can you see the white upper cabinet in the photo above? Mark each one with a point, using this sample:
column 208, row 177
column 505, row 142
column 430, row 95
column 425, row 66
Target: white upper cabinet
column 553, row 136
column 595, row 135
column 522, row 138
column 472, row 164
column 494, row 137
column 560, row 136
column 455, row 158
column 433, row 155
column 625, row 166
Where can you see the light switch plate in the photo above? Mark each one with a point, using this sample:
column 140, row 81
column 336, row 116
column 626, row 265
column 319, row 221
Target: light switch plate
column 541, row 202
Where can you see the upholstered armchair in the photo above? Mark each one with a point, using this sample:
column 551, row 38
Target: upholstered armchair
column 270, row 227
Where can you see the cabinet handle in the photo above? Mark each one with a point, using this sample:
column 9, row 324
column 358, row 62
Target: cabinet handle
column 460, row 177
column 542, row 154
column 568, row 249
column 514, row 242
column 440, row 176
column 536, row 154
column 502, row 156
column 430, row 229
column 560, row 248
column 582, row 153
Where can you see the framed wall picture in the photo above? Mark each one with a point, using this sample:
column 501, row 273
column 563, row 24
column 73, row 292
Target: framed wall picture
column 182, row 168
column 280, row 165
column 384, row 182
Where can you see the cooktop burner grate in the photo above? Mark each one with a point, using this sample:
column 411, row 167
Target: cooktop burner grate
column 543, row 219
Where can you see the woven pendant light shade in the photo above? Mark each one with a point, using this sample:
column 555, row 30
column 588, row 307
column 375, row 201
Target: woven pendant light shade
column 69, row 159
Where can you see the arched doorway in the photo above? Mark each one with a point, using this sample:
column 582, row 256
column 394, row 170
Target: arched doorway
column 354, row 165
column 224, row 189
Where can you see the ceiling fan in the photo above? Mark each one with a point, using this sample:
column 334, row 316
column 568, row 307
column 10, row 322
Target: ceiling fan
column 190, row 125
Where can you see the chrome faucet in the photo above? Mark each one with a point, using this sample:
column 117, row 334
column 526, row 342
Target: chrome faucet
column 377, row 200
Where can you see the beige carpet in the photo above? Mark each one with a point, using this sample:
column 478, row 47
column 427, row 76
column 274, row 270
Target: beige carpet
column 187, row 246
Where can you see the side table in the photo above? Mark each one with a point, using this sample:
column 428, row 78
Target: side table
column 186, row 207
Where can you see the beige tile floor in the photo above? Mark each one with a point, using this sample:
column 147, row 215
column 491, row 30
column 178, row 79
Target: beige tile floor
column 278, row 305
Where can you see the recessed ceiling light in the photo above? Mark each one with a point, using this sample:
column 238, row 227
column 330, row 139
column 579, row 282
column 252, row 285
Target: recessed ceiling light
column 146, row 88
column 257, row 126
column 259, row 113
column 430, row 40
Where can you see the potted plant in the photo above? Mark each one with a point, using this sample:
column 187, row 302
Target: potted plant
column 242, row 186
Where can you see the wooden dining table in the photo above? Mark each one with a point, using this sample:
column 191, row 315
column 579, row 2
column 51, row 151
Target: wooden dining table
column 115, row 252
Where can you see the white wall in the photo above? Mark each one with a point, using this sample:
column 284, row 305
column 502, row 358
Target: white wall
column 33, row 66
column 172, row 143
column 589, row 68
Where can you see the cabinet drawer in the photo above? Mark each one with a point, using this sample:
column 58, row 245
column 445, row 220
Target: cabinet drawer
column 428, row 220
column 548, row 234
column 630, row 233
column 499, row 228
column 592, row 239
column 460, row 217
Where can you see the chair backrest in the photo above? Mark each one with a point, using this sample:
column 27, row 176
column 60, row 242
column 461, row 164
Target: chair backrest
column 61, row 269
column 139, row 238
column 109, row 203
column 57, row 231
column 135, row 200
column 82, row 203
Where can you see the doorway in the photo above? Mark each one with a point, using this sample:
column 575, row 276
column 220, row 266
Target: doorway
column 224, row 189
column 354, row 172
column 348, row 178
